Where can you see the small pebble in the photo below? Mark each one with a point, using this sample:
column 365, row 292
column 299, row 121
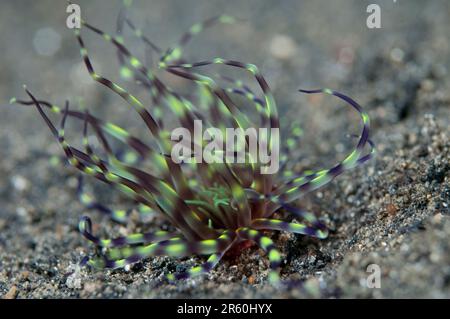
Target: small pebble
column 12, row 293
column 397, row 55
column 283, row 47
column 19, row 183
column 391, row 209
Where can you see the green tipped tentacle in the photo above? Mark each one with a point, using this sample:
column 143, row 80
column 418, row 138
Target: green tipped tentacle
column 85, row 228
column 268, row 246
column 211, row 205
column 175, row 53
column 117, row 215
column 206, row 267
column 173, row 248
column 276, row 224
column 298, row 186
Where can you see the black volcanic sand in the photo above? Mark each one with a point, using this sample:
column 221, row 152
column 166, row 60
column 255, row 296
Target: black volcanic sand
column 393, row 211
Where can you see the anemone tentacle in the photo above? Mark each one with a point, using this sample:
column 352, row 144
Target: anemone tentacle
column 268, row 246
column 212, row 206
column 117, row 215
column 85, row 227
column 296, row 228
column 174, row 248
column 206, row 267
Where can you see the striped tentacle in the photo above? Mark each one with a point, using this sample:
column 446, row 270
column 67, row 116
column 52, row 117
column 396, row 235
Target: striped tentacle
column 124, row 252
column 140, row 149
column 257, row 102
column 276, row 224
column 110, row 129
column 85, row 228
column 241, row 89
column 271, row 109
column 157, row 88
column 123, row 20
column 246, row 92
column 218, row 113
column 128, row 157
column 181, row 107
column 86, row 164
column 240, row 119
column 239, row 84
column 352, row 159
column 117, row 215
column 298, row 179
column 160, row 135
column 368, row 156
column 235, row 115
column 234, row 183
column 68, row 150
column 172, row 248
column 268, row 246
column 302, row 185
column 139, row 187
column 119, row 31
column 178, row 178
column 174, row 207
column 235, row 170
column 238, row 211
column 241, row 214
column 206, row 267
column 263, row 183
column 170, row 197
column 307, row 216
column 86, row 144
column 100, row 128
column 288, row 147
column 175, row 53
column 129, row 98
column 148, row 189
column 87, row 147
column 127, row 73
column 244, row 173
column 177, row 104
column 145, row 211
column 139, row 34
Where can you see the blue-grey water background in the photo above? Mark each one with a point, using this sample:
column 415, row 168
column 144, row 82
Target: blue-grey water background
column 393, row 211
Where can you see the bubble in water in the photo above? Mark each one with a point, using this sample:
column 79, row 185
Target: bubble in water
column 46, row 41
